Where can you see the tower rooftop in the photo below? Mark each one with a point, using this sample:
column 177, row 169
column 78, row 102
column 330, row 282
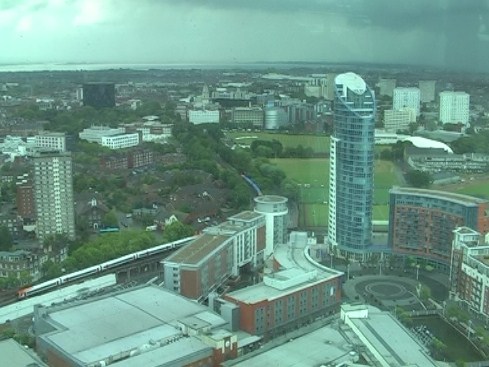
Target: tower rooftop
column 352, row 81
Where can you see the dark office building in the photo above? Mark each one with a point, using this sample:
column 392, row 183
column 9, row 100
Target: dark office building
column 99, row 95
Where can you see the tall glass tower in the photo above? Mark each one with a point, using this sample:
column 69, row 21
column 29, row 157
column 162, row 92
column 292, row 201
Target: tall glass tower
column 351, row 172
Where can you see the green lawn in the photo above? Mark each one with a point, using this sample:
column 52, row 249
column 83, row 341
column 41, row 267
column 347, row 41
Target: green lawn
column 319, row 143
column 479, row 189
column 313, row 177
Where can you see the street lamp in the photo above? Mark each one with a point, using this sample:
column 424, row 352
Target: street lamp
column 417, row 271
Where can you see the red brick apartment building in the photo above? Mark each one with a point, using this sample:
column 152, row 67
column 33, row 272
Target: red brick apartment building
column 421, row 222
column 218, row 254
column 469, row 270
column 286, row 300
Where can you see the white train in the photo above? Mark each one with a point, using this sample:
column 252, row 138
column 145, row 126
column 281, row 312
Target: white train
column 87, row 272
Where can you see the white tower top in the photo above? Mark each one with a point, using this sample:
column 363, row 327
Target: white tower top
column 352, row 81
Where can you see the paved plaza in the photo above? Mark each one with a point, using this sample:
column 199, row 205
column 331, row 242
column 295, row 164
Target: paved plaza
column 384, row 290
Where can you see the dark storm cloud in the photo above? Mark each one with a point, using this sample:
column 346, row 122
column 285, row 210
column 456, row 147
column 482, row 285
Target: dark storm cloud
column 434, row 32
column 394, row 15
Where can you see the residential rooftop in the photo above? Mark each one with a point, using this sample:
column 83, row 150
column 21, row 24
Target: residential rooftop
column 246, row 216
column 460, row 198
column 198, row 249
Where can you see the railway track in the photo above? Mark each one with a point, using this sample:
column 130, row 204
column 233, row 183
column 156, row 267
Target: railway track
column 7, row 297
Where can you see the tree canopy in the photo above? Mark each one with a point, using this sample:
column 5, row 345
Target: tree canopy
column 419, row 179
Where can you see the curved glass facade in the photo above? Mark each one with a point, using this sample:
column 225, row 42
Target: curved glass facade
column 352, row 166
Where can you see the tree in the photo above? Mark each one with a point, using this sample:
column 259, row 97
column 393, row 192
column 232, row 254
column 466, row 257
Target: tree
column 176, row 231
column 6, row 241
column 110, row 219
column 51, row 270
column 418, row 178
column 439, row 348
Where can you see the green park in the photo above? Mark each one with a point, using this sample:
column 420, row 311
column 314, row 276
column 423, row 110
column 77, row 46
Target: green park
column 312, row 176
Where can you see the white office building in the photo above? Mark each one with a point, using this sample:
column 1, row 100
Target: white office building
column 395, row 120
column 95, row 134
column 454, row 107
column 198, row 117
column 120, row 141
column 427, row 90
column 406, row 97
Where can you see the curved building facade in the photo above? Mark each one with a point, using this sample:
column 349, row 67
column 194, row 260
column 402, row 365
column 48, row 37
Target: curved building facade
column 275, row 118
column 421, row 222
column 351, row 172
column 276, row 212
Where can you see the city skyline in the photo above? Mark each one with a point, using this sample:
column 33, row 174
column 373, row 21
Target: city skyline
column 89, row 31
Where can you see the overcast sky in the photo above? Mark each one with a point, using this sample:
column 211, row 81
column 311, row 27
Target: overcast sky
column 437, row 32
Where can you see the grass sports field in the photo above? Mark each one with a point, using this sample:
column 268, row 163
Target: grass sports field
column 312, row 176
column 319, row 143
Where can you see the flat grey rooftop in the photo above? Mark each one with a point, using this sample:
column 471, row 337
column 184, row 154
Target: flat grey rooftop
column 138, row 318
column 394, row 343
column 321, row 347
column 12, row 354
column 198, row 249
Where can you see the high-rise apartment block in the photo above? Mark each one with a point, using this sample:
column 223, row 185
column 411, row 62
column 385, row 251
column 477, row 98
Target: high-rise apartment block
column 427, row 90
column 454, row 107
column 406, row 97
column 50, row 140
column 53, row 194
column 352, row 167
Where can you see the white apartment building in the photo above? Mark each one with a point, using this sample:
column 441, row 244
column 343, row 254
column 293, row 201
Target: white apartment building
column 395, row 120
column 276, row 213
column 51, row 140
column 120, row 141
column 406, row 97
column 198, row 117
column 427, row 90
column 454, row 107
column 95, row 134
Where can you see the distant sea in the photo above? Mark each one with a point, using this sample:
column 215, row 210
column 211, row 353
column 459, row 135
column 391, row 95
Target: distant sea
column 92, row 67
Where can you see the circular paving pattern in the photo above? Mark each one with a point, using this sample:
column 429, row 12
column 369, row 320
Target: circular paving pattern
column 386, row 289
